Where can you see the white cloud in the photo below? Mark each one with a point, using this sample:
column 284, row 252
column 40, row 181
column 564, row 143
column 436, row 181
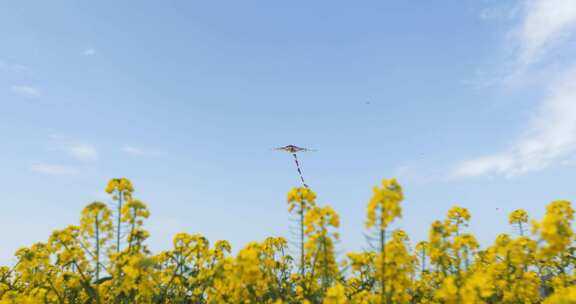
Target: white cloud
column 79, row 151
column 57, row 136
column 26, row 91
column 89, row 52
column 550, row 138
column 53, row 169
column 133, row 150
column 544, row 24
column 82, row 152
column 13, row 67
column 499, row 164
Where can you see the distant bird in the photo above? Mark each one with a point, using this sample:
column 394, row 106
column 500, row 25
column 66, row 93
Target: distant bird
column 293, row 150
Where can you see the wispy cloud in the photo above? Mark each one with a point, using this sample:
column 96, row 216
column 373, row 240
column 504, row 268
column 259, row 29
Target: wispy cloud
column 85, row 152
column 544, row 25
column 138, row 151
column 89, row 52
column 14, row 67
column 543, row 29
column 57, row 136
column 551, row 136
column 81, row 152
column 53, row 169
column 26, row 91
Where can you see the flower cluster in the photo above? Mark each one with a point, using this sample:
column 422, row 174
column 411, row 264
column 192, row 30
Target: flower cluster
column 105, row 259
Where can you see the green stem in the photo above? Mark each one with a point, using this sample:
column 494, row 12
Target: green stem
column 325, row 282
column 383, row 298
column 97, row 229
column 119, row 221
column 302, row 240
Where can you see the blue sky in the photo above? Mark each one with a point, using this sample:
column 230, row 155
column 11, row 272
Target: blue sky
column 470, row 103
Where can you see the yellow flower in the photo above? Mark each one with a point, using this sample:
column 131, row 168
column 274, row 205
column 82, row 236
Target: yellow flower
column 303, row 198
column 563, row 296
column 335, row 295
column 556, row 228
column 385, row 201
column 458, row 215
column 79, row 265
column 122, row 185
column 518, row 216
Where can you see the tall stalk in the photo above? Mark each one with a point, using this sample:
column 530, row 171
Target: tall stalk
column 119, row 221
column 383, row 298
column 302, row 257
column 132, row 229
column 325, row 276
column 97, row 232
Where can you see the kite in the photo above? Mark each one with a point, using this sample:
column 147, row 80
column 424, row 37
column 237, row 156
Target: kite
column 293, row 150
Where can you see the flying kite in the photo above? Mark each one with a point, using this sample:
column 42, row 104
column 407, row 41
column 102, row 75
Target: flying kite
column 293, row 150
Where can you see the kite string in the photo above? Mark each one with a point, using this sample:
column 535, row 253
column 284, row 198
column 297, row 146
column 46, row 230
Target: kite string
column 299, row 170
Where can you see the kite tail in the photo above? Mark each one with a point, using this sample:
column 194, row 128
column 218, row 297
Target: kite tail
column 299, row 170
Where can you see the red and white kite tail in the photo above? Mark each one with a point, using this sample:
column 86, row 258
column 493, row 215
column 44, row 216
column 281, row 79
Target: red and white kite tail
column 299, row 170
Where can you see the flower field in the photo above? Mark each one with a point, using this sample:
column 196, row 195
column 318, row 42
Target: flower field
column 105, row 259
